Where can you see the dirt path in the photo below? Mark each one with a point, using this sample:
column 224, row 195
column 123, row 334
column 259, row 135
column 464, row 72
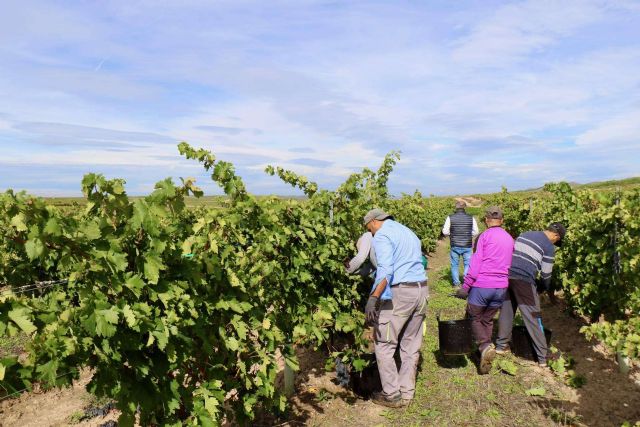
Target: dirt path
column 450, row 392
column 608, row 397
column 320, row 402
column 472, row 202
column 52, row 408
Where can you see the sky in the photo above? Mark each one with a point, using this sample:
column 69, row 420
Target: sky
column 475, row 94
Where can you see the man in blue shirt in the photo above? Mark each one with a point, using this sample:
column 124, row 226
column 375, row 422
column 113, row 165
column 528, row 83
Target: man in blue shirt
column 398, row 302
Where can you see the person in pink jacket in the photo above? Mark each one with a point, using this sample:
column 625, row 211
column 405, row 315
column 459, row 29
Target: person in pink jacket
column 486, row 283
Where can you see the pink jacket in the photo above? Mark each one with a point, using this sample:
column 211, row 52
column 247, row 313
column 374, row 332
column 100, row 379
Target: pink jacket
column 491, row 260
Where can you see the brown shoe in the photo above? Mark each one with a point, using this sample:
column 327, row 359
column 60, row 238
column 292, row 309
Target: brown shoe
column 382, row 399
column 503, row 350
column 486, row 358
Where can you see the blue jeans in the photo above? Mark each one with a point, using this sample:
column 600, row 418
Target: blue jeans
column 455, row 255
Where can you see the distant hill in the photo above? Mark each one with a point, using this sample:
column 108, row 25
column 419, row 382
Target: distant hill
column 623, row 184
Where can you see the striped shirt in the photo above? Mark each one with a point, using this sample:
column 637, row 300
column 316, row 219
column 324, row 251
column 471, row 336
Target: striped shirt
column 533, row 253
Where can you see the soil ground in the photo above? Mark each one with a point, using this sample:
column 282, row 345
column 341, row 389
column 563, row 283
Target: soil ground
column 53, row 408
column 448, row 389
column 450, row 392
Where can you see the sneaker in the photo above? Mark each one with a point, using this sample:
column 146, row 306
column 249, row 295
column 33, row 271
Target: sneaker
column 382, row 399
column 486, row 358
column 503, row 350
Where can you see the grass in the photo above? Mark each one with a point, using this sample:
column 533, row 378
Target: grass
column 75, row 418
column 449, row 391
column 12, row 346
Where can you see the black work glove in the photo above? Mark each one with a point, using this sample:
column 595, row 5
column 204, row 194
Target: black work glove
column 541, row 286
column 346, row 262
column 461, row 293
column 372, row 310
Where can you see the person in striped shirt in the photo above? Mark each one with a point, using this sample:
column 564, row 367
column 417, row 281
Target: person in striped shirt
column 533, row 255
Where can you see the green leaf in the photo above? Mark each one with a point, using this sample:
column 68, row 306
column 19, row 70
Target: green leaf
column 507, row 366
column 536, row 391
column 359, row 364
column 559, row 365
column 118, row 260
column 211, row 405
column 21, row 317
column 163, row 338
column 135, row 284
column 232, row 344
column 2, row 371
column 48, row 371
column 292, row 362
column 576, row 381
column 299, row 332
column 91, row 230
column 152, row 266
column 127, row 419
column 53, row 227
column 105, row 319
column 129, row 316
column 18, row 222
column 266, row 323
column 34, row 248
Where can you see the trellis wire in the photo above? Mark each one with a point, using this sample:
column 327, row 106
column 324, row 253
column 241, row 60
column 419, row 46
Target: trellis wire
column 34, row 286
column 18, row 392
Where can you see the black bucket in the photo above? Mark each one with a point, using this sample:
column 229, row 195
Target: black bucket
column 455, row 336
column 363, row 383
column 522, row 345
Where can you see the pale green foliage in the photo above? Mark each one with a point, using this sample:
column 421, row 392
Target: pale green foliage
column 183, row 313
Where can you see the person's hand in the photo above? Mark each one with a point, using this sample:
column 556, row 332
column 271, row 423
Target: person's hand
column 461, row 293
column 371, row 310
column 540, row 286
column 346, row 262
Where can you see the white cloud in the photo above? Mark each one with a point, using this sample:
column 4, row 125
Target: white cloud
column 499, row 89
column 518, row 29
column 619, row 133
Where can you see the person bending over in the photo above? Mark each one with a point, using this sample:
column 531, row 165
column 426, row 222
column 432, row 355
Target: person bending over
column 533, row 255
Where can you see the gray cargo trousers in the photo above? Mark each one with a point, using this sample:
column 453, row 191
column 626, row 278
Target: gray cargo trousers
column 400, row 321
column 524, row 296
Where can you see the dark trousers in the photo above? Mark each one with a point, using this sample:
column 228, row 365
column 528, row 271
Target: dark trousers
column 523, row 296
column 482, row 306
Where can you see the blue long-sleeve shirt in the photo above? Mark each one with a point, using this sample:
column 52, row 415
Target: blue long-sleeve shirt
column 398, row 255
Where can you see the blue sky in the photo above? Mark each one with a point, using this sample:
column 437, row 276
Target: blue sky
column 476, row 94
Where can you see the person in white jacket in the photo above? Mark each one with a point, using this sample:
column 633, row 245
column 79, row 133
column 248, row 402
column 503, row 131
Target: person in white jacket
column 364, row 263
column 461, row 229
